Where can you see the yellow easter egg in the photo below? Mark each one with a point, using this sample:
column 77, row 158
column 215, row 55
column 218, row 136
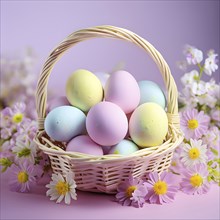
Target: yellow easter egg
column 84, row 89
column 148, row 125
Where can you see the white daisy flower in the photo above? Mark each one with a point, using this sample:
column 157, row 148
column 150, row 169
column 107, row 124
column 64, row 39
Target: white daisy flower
column 62, row 188
column 189, row 78
column 194, row 153
column 24, row 148
column 198, row 88
column 211, row 63
column 193, row 55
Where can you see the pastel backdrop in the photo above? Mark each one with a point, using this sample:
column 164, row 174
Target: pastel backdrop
column 168, row 25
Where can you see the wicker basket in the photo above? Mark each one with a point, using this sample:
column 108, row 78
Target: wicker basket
column 104, row 173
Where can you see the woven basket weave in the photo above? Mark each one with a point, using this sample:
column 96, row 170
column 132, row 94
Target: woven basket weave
column 104, row 173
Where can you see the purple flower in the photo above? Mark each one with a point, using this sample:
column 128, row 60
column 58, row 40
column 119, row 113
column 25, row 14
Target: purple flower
column 161, row 188
column 195, row 180
column 11, row 120
column 193, row 123
column 138, row 196
column 215, row 115
column 6, row 133
column 176, row 165
column 16, row 113
column 8, row 144
column 212, row 138
column 22, row 176
column 131, row 192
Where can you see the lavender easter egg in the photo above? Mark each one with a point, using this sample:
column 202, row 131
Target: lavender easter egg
column 65, row 122
column 84, row 144
column 122, row 89
column 106, row 123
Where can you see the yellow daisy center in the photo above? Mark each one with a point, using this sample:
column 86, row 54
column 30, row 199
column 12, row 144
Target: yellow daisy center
column 17, row 118
column 196, row 180
column 194, row 153
column 173, row 163
column 193, row 124
column 62, row 188
column 22, row 177
column 160, row 188
column 130, row 190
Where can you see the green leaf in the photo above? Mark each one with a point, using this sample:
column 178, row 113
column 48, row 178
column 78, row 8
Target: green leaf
column 5, row 162
column 24, row 152
column 214, row 151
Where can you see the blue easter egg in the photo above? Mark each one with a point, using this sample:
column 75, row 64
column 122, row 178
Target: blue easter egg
column 64, row 123
column 124, row 147
column 151, row 92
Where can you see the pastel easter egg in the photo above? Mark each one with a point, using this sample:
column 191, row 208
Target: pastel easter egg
column 84, row 144
column 103, row 77
column 84, row 90
column 148, row 125
column 125, row 147
column 106, row 123
column 122, row 89
column 65, row 122
column 57, row 101
column 151, row 92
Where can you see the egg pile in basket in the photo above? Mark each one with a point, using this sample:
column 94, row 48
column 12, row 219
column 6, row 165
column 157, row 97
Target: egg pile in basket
column 106, row 131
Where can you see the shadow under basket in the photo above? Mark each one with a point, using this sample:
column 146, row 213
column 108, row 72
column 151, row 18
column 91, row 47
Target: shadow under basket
column 105, row 173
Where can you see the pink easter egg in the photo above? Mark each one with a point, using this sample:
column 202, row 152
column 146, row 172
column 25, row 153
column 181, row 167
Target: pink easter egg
column 106, row 123
column 84, row 144
column 122, row 89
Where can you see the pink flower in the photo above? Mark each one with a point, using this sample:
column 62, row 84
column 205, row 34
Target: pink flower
column 195, row 180
column 22, row 176
column 193, row 123
column 161, row 188
column 131, row 192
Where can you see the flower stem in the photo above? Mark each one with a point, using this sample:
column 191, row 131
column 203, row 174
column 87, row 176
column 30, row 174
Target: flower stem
column 201, row 68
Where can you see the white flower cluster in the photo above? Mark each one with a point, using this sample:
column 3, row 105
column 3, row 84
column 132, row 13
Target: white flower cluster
column 17, row 75
column 194, row 56
column 196, row 92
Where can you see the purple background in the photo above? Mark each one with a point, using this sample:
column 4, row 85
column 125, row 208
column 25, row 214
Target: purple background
column 168, row 25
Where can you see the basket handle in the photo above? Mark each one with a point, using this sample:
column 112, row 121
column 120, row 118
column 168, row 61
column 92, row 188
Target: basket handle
column 104, row 31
